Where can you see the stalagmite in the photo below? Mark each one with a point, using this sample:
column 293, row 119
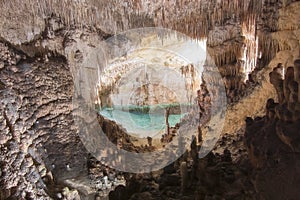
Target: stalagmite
column 149, row 139
column 184, row 176
column 270, row 108
column 293, row 87
column 289, row 76
column 277, row 81
column 194, row 150
column 167, row 114
column 200, row 138
column 297, row 75
column 287, row 89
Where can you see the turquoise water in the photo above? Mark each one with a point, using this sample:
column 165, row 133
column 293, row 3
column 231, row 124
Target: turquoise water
column 141, row 124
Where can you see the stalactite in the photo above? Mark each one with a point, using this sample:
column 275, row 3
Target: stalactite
column 189, row 17
column 227, row 57
column 268, row 47
column 250, row 50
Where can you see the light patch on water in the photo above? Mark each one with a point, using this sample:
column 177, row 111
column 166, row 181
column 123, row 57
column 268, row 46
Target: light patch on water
column 141, row 124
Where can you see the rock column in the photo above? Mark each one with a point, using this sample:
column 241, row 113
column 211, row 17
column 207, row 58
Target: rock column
column 276, row 79
column 297, row 75
column 289, row 77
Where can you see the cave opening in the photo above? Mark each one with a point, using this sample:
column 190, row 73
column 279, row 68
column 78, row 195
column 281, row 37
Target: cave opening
column 149, row 87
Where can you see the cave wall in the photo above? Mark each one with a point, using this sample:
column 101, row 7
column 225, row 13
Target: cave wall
column 38, row 134
column 273, row 140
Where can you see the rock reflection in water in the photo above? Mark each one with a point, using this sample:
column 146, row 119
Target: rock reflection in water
column 141, row 124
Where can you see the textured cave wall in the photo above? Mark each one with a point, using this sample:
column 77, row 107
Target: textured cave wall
column 39, row 138
column 282, row 31
column 43, row 43
column 37, row 128
column 273, row 140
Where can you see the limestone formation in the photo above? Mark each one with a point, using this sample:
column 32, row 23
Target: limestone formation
column 149, row 139
column 293, row 87
column 194, row 150
column 288, row 98
column 204, row 102
column 289, row 77
column 199, row 138
column 297, row 75
column 167, row 114
column 276, row 79
column 275, row 137
column 184, row 176
column 270, row 108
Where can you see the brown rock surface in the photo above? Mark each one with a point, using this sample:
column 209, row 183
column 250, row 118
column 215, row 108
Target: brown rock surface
column 273, row 144
column 37, row 128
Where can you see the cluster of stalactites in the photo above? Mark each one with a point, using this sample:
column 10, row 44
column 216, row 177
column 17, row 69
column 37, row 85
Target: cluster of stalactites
column 250, row 48
column 286, row 83
column 268, row 47
column 189, row 73
column 193, row 17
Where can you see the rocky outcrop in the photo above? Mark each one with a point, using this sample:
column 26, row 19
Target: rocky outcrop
column 218, row 175
column 120, row 137
column 273, row 141
column 38, row 135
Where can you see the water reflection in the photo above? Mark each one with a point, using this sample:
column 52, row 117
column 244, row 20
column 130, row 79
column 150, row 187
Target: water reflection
column 140, row 121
